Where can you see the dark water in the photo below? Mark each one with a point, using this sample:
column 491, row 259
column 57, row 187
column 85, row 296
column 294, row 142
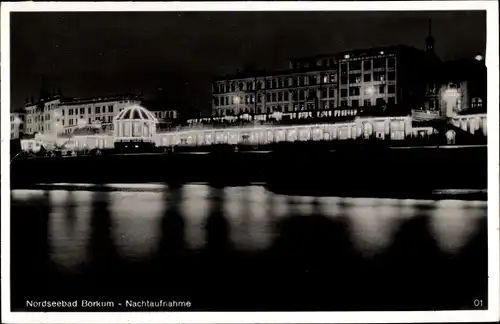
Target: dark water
column 245, row 248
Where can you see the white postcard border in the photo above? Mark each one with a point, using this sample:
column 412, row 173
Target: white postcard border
column 492, row 54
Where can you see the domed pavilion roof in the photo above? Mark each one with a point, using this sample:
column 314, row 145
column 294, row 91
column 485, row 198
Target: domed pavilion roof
column 135, row 112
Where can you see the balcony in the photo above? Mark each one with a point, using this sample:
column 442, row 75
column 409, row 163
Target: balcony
column 423, row 115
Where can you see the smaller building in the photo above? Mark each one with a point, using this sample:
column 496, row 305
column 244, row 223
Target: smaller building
column 57, row 115
column 134, row 128
column 17, row 125
column 459, row 88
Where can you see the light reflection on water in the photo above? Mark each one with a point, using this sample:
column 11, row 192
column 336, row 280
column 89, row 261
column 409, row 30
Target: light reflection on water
column 69, row 227
column 252, row 213
column 136, row 220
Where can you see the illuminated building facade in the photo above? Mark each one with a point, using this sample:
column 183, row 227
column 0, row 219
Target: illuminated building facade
column 322, row 86
column 96, row 110
column 461, row 88
column 395, row 128
column 40, row 116
column 55, row 115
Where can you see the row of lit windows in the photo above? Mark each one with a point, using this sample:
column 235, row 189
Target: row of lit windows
column 379, row 76
column 368, row 91
column 300, row 95
column 38, row 118
column 378, row 63
column 103, row 119
column 305, row 80
column 13, row 117
column 46, row 107
column 75, row 111
column 368, row 102
column 327, row 104
column 351, row 79
column 325, row 62
column 276, row 83
column 165, row 114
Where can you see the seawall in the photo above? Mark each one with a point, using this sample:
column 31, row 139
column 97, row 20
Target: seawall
column 383, row 171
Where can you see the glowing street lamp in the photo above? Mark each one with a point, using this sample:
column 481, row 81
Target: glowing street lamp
column 479, row 57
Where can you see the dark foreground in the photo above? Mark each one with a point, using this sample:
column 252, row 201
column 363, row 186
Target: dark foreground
column 245, row 249
column 349, row 172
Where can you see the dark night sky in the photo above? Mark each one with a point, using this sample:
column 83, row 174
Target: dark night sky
column 87, row 54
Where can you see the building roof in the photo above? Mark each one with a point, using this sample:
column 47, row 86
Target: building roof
column 397, row 49
column 394, row 49
column 77, row 101
column 135, row 112
column 48, row 99
column 262, row 73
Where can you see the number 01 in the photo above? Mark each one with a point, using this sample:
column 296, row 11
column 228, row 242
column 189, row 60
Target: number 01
column 478, row 303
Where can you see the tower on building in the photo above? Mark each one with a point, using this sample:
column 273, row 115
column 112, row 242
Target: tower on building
column 44, row 92
column 430, row 40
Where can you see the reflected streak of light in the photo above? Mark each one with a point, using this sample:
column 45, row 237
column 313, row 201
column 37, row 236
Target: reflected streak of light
column 453, row 227
column 302, row 199
column 233, row 210
column 190, row 191
column 260, row 226
column 234, row 193
column 450, row 204
column 280, row 206
column 257, row 194
column 372, row 227
column 58, row 197
column 136, row 217
column 477, row 203
column 250, row 226
column 76, row 185
column 304, row 209
column 195, row 210
column 330, row 206
column 362, row 201
column 68, row 241
column 25, row 194
column 136, row 185
column 413, row 202
column 407, row 211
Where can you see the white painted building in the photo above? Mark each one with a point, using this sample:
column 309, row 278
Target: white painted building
column 17, row 124
column 91, row 111
column 62, row 116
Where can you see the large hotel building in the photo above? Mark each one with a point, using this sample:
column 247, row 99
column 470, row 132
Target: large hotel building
column 330, row 85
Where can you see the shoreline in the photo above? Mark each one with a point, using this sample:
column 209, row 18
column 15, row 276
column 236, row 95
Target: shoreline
column 350, row 172
column 400, row 173
column 443, row 194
